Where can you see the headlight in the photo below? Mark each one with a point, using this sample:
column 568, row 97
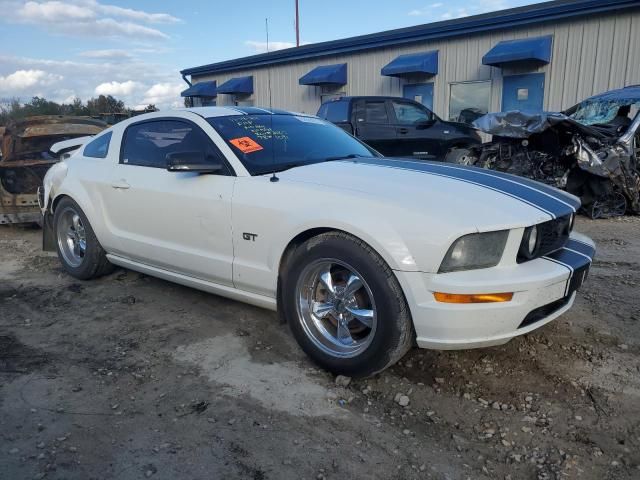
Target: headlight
column 476, row 250
column 530, row 243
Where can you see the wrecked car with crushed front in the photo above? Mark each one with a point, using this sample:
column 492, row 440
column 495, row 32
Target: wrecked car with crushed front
column 590, row 150
column 26, row 157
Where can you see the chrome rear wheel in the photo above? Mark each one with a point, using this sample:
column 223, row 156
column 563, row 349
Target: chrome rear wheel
column 336, row 308
column 79, row 251
column 71, row 236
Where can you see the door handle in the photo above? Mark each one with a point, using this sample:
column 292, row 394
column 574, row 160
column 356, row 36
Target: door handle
column 121, row 184
column 403, row 130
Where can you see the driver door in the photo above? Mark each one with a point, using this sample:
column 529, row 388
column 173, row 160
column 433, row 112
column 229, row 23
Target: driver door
column 180, row 221
column 418, row 133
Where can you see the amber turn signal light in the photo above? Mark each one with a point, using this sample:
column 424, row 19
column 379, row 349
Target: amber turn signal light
column 473, row 297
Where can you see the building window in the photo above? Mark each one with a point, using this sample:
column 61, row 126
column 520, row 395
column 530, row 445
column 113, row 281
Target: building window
column 469, row 100
column 203, row 101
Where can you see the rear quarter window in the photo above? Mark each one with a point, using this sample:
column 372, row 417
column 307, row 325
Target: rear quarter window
column 336, row 112
column 99, row 147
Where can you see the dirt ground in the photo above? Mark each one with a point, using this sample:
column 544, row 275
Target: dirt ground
column 131, row 377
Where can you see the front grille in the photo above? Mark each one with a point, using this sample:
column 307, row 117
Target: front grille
column 553, row 236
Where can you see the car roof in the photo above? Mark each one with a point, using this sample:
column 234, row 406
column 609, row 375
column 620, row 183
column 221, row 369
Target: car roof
column 630, row 94
column 228, row 111
column 368, row 97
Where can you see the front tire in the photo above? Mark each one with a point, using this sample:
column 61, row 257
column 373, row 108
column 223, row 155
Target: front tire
column 78, row 248
column 460, row 156
column 345, row 306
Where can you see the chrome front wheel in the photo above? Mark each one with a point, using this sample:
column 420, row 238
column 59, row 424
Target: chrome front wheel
column 336, row 308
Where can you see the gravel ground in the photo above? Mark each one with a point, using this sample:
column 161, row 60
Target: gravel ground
column 131, row 377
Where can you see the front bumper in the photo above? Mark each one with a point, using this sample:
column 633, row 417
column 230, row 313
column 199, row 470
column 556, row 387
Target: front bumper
column 543, row 288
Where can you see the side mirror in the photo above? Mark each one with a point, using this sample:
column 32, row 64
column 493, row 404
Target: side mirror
column 424, row 124
column 195, row 161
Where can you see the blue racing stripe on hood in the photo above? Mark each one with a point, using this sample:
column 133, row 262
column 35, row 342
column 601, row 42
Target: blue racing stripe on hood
column 546, row 199
column 549, row 190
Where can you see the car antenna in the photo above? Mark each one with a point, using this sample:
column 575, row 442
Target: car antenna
column 274, row 177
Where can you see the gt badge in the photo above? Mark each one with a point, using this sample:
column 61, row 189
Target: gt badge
column 249, row 236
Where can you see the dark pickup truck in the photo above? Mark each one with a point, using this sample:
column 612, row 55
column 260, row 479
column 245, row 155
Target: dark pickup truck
column 398, row 127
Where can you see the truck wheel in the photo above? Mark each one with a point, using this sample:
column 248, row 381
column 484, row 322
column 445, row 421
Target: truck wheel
column 461, row 156
column 78, row 248
column 345, row 306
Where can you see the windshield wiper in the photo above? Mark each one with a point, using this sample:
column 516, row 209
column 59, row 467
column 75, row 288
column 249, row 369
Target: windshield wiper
column 286, row 166
column 343, row 157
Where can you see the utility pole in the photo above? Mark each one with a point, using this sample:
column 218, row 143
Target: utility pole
column 297, row 25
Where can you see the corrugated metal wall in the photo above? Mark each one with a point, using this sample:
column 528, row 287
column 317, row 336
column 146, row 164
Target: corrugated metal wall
column 590, row 55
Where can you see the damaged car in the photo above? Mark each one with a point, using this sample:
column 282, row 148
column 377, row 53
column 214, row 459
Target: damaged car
column 590, row 150
column 26, row 157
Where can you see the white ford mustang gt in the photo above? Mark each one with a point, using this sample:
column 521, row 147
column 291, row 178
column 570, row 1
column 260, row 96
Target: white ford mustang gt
column 362, row 255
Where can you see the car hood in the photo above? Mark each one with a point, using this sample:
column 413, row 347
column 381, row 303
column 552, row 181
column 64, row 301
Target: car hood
column 470, row 198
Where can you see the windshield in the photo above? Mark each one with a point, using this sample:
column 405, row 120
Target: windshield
column 268, row 143
column 603, row 112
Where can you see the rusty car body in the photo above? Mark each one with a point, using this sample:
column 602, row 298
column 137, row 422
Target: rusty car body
column 590, row 150
column 26, row 158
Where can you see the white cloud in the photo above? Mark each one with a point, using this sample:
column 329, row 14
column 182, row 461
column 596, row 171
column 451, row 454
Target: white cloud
column 108, row 27
column 117, row 89
column 82, row 77
column 428, row 10
column 110, row 54
column 22, row 80
column 37, row 12
column 261, row 47
column 69, row 98
column 88, row 18
column 473, row 7
column 137, row 15
column 457, row 13
column 167, row 94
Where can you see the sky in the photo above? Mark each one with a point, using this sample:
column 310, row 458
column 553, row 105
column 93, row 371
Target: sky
column 134, row 50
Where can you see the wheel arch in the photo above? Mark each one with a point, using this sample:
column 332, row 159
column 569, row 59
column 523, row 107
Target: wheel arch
column 87, row 207
column 53, row 202
column 306, row 235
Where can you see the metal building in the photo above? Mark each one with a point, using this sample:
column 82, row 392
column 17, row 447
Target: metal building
column 543, row 56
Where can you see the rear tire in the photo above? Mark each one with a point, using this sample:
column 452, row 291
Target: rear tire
column 78, row 249
column 460, row 156
column 345, row 306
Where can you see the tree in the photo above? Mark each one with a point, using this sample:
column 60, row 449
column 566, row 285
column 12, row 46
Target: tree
column 105, row 104
column 14, row 110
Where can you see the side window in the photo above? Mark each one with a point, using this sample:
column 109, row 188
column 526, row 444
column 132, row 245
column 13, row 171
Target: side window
column 409, row 114
column 338, row 111
column 322, row 111
column 98, row 148
column 376, row 112
column 148, row 144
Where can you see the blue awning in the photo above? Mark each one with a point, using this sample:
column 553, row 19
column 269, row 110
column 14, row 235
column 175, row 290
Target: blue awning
column 242, row 85
column 201, row 89
column 423, row 62
column 326, row 75
column 537, row 49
